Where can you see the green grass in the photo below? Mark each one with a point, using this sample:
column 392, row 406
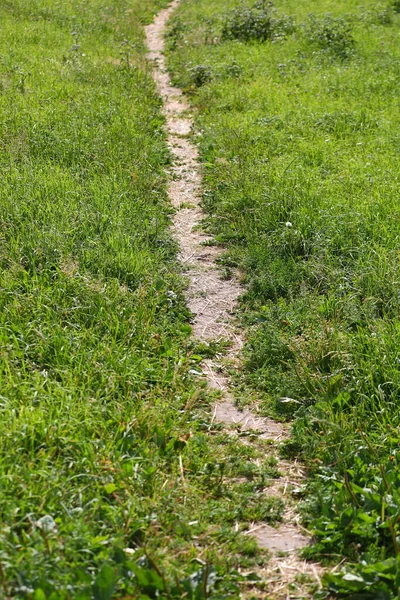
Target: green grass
column 113, row 483
column 298, row 130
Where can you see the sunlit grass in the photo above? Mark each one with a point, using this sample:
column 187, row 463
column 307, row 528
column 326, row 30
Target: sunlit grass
column 113, row 483
column 300, row 150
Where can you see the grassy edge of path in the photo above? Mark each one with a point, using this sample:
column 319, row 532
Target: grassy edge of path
column 113, row 482
column 297, row 108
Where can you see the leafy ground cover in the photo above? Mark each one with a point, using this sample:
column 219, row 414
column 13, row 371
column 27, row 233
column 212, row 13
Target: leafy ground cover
column 297, row 114
column 113, row 482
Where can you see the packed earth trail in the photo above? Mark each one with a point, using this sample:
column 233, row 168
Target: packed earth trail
column 212, row 300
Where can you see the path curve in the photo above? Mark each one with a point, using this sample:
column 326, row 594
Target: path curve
column 212, row 300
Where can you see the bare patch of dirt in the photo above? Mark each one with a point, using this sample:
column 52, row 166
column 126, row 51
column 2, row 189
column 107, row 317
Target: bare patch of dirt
column 285, row 538
column 287, row 578
column 226, row 412
column 213, row 301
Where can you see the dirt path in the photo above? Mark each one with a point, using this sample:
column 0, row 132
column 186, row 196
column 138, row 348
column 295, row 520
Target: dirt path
column 212, row 300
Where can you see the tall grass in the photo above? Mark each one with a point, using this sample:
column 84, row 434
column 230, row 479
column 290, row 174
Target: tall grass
column 300, row 157
column 113, row 483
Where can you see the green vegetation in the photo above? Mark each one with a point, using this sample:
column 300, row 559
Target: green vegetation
column 298, row 130
column 113, row 482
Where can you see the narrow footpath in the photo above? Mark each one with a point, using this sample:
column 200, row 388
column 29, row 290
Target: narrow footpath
column 212, row 300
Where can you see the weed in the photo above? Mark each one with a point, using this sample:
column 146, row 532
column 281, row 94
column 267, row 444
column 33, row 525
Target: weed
column 385, row 16
column 233, row 69
column 174, row 33
column 258, row 23
column 330, row 34
column 246, row 24
column 200, row 75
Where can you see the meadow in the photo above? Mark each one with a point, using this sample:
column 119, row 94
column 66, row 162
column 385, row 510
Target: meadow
column 113, row 480
column 297, row 119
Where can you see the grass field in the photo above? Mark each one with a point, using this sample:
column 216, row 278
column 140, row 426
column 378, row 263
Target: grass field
column 298, row 125
column 113, row 483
